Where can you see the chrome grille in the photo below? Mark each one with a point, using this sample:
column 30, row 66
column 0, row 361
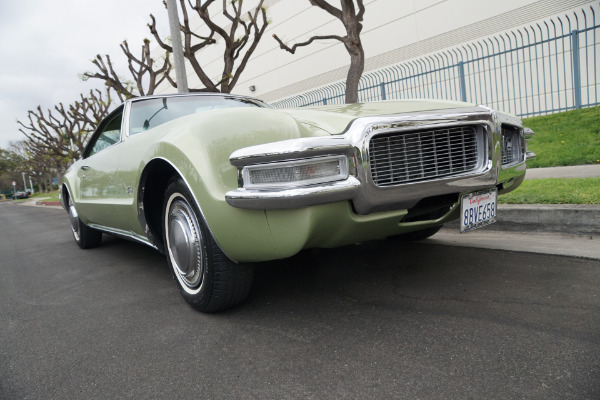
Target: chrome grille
column 511, row 144
column 401, row 157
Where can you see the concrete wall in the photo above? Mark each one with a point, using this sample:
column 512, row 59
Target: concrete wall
column 394, row 30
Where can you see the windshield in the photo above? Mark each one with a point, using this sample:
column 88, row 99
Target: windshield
column 148, row 114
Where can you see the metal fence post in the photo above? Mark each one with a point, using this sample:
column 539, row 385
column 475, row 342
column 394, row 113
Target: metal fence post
column 382, row 86
column 576, row 68
column 463, row 84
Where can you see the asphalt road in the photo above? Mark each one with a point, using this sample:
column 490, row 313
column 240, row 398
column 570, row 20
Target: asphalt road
column 377, row 320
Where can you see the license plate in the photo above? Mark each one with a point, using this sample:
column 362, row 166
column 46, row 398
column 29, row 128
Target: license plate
column 478, row 209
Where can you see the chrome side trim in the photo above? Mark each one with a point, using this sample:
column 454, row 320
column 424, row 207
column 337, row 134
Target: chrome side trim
column 124, row 234
column 361, row 190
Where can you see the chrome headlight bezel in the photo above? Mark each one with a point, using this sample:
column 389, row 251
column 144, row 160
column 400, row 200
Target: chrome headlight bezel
column 294, row 171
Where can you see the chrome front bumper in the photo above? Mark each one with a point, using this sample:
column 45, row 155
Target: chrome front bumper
column 359, row 188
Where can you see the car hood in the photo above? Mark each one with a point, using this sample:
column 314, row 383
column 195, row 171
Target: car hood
column 335, row 119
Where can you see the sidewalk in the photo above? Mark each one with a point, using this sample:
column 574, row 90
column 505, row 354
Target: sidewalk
column 579, row 171
column 41, row 201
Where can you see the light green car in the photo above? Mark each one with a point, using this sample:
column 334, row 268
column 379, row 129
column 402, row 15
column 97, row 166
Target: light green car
column 217, row 181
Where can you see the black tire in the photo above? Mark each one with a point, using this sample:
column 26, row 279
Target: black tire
column 207, row 279
column 84, row 236
column 417, row 235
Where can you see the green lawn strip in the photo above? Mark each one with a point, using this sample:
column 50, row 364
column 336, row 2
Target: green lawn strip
column 555, row 191
column 567, row 138
column 41, row 195
column 49, row 197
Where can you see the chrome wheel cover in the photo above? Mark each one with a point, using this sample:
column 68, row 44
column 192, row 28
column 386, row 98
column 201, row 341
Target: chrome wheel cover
column 74, row 219
column 184, row 243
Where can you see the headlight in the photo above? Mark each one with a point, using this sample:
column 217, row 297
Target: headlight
column 289, row 174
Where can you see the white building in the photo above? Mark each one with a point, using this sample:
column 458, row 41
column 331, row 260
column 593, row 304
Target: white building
column 393, row 31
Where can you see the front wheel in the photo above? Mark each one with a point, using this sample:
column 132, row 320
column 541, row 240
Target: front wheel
column 207, row 279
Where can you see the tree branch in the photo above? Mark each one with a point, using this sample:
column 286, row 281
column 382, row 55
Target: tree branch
column 309, row 41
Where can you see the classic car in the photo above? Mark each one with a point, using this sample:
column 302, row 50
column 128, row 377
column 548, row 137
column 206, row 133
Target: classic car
column 217, row 182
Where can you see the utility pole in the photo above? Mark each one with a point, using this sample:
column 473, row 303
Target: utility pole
column 24, row 182
column 178, row 60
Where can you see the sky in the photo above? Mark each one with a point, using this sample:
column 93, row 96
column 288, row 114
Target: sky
column 45, row 45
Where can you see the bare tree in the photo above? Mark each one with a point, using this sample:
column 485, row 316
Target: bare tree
column 61, row 133
column 352, row 22
column 234, row 41
column 89, row 111
column 47, row 132
column 37, row 161
column 11, row 166
column 145, row 73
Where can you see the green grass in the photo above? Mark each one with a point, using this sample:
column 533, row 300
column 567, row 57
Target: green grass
column 51, row 199
column 555, row 191
column 50, row 196
column 567, row 138
column 42, row 194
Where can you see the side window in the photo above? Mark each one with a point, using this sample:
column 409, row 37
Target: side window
column 110, row 134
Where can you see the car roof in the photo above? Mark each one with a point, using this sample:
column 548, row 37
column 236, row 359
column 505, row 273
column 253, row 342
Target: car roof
column 201, row 94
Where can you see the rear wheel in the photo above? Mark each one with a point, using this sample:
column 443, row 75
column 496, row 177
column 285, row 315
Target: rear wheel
column 207, row 279
column 84, row 236
column 417, row 235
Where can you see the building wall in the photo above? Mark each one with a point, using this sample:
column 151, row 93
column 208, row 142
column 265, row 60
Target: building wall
column 393, row 31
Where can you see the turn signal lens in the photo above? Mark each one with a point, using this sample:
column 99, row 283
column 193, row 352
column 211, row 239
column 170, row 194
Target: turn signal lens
column 288, row 174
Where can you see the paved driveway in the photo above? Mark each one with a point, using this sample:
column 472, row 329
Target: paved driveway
column 377, row 320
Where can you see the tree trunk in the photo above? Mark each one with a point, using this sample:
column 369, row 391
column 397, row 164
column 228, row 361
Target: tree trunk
column 357, row 66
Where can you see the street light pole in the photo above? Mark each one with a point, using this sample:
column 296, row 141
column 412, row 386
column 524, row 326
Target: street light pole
column 178, row 60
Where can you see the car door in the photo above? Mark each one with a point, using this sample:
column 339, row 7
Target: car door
column 98, row 188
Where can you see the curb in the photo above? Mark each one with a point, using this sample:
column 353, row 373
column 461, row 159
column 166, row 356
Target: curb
column 557, row 218
column 578, row 219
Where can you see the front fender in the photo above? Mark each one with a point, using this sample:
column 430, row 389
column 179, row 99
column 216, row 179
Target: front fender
column 199, row 151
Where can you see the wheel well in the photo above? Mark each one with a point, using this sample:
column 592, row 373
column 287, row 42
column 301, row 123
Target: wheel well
column 64, row 192
column 153, row 185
